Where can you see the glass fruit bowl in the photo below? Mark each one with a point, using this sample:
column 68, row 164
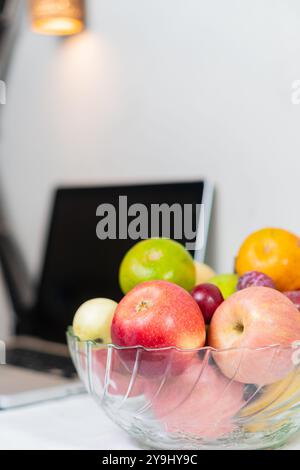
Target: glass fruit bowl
column 195, row 399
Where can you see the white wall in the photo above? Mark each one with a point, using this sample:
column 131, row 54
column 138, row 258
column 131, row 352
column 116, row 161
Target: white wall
column 159, row 89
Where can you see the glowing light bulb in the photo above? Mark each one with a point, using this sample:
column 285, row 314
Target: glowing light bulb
column 57, row 17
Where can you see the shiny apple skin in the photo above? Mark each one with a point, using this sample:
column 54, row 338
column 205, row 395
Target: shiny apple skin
column 252, row 318
column 158, row 314
column 208, row 297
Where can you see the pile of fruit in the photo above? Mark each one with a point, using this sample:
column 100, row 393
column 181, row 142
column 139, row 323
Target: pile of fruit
column 172, row 301
column 169, row 298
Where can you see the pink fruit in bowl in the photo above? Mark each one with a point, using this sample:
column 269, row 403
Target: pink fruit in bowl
column 208, row 297
column 255, row 278
column 250, row 320
column 117, row 376
column 294, row 296
column 200, row 401
column 157, row 314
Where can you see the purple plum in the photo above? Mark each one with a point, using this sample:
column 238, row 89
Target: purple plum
column 208, row 297
column 255, row 278
column 294, row 296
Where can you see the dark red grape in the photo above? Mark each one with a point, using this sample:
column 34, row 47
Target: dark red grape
column 208, row 297
column 254, row 278
column 294, row 296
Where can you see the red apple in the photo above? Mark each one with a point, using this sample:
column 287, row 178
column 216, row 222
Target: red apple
column 158, row 314
column 253, row 318
column 208, row 297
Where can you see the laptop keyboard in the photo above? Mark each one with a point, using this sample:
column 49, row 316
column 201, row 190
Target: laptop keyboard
column 41, row 362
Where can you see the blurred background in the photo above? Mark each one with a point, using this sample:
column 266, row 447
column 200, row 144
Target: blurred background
column 155, row 91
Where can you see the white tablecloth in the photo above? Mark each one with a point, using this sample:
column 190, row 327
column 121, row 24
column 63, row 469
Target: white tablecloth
column 71, row 423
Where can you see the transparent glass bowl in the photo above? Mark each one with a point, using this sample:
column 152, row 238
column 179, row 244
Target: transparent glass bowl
column 180, row 399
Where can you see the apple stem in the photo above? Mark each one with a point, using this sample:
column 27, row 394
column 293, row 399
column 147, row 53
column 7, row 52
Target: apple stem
column 143, row 305
column 239, row 327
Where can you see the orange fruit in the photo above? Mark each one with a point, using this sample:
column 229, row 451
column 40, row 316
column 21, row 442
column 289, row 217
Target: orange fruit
column 275, row 252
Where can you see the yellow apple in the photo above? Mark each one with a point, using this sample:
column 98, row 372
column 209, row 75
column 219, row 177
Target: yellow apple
column 203, row 273
column 93, row 319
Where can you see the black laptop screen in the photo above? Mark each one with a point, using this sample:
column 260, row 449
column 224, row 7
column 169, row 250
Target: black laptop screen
column 78, row 265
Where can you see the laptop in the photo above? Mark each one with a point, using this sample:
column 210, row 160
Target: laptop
column 81, row 263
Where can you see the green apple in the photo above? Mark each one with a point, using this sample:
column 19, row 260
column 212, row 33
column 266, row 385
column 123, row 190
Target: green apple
column 157, row 259
column 93, row 319
column 226, row 283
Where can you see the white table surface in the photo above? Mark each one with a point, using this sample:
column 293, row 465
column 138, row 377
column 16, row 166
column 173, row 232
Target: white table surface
column 74, row 423
column 70, row 423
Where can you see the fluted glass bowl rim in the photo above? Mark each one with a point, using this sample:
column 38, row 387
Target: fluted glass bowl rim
column 95, row 343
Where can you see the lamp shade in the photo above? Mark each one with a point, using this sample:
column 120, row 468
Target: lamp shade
column 57, row 17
